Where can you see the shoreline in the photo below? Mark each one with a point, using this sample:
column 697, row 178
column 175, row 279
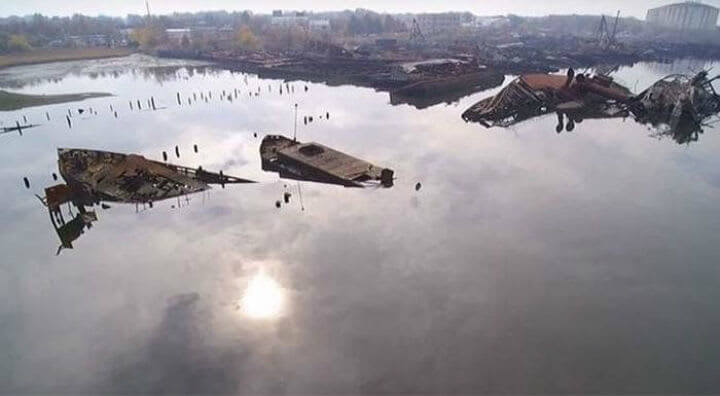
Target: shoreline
column 42, row 56
column 11, row 101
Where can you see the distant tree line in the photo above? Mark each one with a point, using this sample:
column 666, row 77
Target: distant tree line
column 21, row 33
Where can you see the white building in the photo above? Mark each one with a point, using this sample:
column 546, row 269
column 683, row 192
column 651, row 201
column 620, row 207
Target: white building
column 442, row 22
column 690, row 15
column 320, row 25
column 176, row 35
column 280, row 19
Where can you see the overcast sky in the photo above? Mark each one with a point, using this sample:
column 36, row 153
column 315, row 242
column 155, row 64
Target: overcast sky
column 482, row 7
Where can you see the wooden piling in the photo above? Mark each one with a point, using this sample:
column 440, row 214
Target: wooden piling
column 178, row 99
column 177, row 151
column 27, row 182
column 68, row 122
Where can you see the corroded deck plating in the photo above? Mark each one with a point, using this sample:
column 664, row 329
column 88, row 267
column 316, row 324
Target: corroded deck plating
column 318, row 163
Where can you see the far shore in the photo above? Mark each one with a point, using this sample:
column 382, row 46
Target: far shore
column 38, row 56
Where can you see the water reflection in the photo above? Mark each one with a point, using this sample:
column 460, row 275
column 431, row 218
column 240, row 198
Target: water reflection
column 263, row 298
column 466, row 286
column 139, row 67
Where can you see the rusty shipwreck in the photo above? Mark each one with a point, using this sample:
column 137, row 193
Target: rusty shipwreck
column 93, row 177
column 577, row 96
column 318, row 163
column 678, row 106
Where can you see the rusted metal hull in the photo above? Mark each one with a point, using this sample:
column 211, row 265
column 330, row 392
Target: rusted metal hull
column 317, row 163
column 131, row 178
column 533, row 95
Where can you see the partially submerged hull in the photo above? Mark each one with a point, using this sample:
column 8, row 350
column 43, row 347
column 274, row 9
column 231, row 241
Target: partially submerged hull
column 533, row 95
column 93, row 177
column 678, row 105
column 132, row 178
column 317, row 163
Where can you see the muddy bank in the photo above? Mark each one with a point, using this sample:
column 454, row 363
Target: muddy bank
column 13, row 101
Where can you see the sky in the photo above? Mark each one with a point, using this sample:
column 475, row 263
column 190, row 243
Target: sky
column 481, row 7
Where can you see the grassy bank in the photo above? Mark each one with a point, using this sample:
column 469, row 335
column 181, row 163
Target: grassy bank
column 60, row 54
column 12, row 101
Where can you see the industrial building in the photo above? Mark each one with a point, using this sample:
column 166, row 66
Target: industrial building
column 441, row 22
column 690, row 15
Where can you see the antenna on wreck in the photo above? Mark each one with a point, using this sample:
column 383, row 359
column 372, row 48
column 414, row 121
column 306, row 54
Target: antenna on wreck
column 295, row 132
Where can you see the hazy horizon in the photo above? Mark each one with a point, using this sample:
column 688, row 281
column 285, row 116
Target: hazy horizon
column 636, row 9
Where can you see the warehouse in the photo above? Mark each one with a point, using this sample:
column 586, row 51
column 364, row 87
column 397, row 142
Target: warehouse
column 684, row 16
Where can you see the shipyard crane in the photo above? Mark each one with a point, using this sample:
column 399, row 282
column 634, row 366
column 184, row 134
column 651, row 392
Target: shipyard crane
column 416, row 35
column 605, row 37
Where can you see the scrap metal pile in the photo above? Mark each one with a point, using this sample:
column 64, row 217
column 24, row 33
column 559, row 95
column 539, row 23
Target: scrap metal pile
column 533, row 95
column 677, row 105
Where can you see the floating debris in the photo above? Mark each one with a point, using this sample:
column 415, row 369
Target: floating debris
column 195, row 148
column 318, row 163
column 286, row 197
column 278, row 204
column 177, row 151
column 418, row 186
column 27, row 182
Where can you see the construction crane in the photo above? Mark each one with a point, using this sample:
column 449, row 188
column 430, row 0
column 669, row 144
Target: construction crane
column 605, row 38
column 416, row 35
column 149, row 17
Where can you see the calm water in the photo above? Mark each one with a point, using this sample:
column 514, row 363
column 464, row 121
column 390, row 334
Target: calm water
column 529, row 261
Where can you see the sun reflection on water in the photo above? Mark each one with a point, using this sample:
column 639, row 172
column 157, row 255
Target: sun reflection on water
column 264, row 298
